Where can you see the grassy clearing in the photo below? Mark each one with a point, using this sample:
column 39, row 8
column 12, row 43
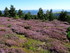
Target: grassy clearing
column 31, row 45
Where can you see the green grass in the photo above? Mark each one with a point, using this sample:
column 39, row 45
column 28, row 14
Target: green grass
column 2, row 26
column 68, row 34
column 21, row 36
column 67, row 45
column 31, row 45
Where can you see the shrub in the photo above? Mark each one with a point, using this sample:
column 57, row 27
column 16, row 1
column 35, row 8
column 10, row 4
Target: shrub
column 28, row 16
column 2, row 30
column 68, row 29
column 27, row 27
column 8, row 20
column 16, row 17
column 9, row 25
column 68, row 33
column 7, row 36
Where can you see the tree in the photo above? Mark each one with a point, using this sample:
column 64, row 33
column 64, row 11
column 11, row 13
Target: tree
column 0, row 13
column 12, row 11
column 68, row 18
column 63, row 16
column 28, row 16
column 40, row 14
column 34, row 16
column 46, row 15
column 20, row 13
column 6, row 12
column 50, row 15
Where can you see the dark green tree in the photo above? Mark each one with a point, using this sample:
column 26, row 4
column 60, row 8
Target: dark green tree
column 28, row 16
column 40, row 14
column 0, row 13
column 34, row 16
column 63, row 16
column 50, row 15
column 20, row 13
column 68, row 18
column 6, row 12
column 46, row 16
column 12, row 11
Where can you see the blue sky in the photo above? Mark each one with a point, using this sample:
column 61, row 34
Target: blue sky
column 35, row 4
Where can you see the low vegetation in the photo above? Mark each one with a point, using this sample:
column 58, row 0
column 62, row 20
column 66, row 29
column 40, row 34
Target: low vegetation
column 68, row 33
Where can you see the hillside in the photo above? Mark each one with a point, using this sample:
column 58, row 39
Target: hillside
column 33, row 36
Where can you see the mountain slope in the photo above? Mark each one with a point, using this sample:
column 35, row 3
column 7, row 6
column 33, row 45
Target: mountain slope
column 33, row 36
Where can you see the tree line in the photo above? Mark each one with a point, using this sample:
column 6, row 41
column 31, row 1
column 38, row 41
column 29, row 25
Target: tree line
column 49, row 15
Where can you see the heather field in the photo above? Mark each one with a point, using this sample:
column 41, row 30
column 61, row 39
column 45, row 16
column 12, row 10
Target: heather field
column 33, row 36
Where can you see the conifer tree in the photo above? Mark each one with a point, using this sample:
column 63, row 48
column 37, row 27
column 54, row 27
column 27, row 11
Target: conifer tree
column 6, row 12
column 12, row 11
column 28, row 16
column 0, row 13
column 40, row 14
column 50, row 15
column 63, row 16
column 20, row 13
column 46, row 16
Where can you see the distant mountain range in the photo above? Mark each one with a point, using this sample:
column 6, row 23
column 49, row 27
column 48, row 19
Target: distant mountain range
column 34, row 12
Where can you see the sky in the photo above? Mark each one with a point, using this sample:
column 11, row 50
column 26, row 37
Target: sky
column 35, row 4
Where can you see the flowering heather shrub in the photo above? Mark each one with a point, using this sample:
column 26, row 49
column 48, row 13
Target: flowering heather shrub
column 2, row 30
column 11, row 36
column 3, row 46
column 10, row 43
column 11, row 50
column 8, row 19
column 20, row 30
column 27, row 27
column 52, row 46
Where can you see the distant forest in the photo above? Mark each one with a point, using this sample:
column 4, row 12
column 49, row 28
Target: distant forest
column 49, row 15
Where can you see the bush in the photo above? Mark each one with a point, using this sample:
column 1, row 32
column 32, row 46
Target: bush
column 68, row 33
column 3, row 30
column 68, row 19
column 68, row 29
column 9, row 25
column 8, row 20
column 27, row 27
column 16, row 17
column 28, row 16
